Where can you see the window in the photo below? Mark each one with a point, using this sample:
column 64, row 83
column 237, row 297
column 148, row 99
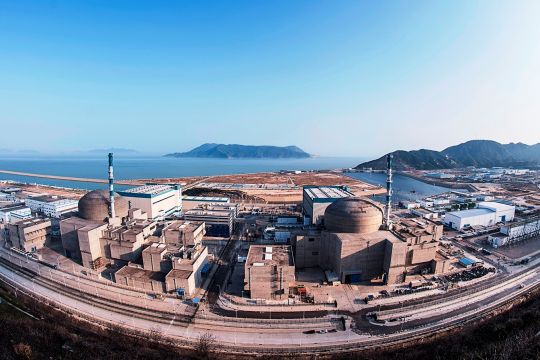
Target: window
column 311, row 239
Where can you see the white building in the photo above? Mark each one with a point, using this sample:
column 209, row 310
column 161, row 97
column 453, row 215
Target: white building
column 515, row 232
column 158, row 201
column 52, row 206
column 191, row 202
column 14, row 213
column 486, row 214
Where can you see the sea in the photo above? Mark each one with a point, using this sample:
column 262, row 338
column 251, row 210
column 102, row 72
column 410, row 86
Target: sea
column 148, row 167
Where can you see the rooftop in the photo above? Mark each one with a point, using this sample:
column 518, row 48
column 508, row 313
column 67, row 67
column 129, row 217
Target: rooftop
column 179, row 274
column 156, row 248
column 326, row 192
column 152, row 190
column 470, row 213
column 206, row 198
column 140, row 274
column 50, row 199
column 14, row 207
column 185, row 225
column 261, row 255
column 495, row 206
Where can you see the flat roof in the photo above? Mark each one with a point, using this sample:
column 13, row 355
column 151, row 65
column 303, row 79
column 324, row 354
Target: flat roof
column 184, row 225
column 178, row 274
column 263, row 255
column 13, row 207
column 326, row 192
column 48, row 198
column 140, row 274
column 495, row 205
column 206, row 198
column 156, row 248
column 152, row 190
column 470, row 213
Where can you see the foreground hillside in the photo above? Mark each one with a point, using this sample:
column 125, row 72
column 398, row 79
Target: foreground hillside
column 478, row 153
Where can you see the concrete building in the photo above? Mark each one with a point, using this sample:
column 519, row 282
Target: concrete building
column 94, row 239
column 269, row 272
column 353, row 248
column 14, row 213
column 184, row 232
column 29, row 235
column 52, row 206
column 190, row 202
column 317, row 198
column 218, row 218
column 158, row 201
column 515, row 232
column 486, row 214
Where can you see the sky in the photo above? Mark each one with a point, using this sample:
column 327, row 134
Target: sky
column 336, row 78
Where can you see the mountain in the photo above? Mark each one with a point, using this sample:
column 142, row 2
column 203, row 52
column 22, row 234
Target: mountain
column 477, row 153
column 234, row 151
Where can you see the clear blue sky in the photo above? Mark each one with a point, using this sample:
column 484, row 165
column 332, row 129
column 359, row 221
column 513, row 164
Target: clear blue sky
column 344, row 78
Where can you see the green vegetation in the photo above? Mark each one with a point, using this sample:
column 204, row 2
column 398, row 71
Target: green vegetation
column 478, row 153
column 233, row 151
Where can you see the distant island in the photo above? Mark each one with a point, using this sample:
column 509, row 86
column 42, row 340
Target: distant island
column 234, row 151
column 477, row 153
column 113, row 150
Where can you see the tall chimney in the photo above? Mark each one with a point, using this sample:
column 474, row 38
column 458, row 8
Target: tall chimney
column 111, row 189
column 388, row 190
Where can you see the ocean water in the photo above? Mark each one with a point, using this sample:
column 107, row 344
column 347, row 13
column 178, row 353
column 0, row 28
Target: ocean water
column 154, row 167
column 405, row 188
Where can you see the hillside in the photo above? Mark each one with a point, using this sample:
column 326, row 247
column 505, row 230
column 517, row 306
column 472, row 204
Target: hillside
column 478, row 153
column 234, row 151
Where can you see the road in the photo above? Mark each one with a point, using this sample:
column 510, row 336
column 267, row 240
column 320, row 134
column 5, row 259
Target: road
column 108, row 303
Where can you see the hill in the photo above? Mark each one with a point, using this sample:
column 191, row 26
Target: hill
column 478, row 153
column 234, row 151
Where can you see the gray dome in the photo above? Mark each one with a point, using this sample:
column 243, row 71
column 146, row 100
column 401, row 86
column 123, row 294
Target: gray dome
column 94, row 206
column 353, row 215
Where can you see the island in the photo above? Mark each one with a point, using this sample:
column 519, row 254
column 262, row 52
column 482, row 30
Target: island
column 235, row 151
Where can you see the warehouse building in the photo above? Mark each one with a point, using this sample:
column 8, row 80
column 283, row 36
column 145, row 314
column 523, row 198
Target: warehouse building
column 158, row 201
column 486, row 214
column 269, row 272
column 315, row 200
column 50, row 205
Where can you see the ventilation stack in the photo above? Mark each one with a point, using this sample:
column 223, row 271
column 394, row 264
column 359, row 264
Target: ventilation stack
column 388, row 190
column 111, row 189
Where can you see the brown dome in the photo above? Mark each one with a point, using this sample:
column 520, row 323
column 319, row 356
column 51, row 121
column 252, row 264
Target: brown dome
column 353, row 215
column 94, row 206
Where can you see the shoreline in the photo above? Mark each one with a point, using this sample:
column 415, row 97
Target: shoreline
column 454, row 186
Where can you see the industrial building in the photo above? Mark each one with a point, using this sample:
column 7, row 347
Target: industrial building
column 158, row 201
column 218, row 218
column 14, row 213
column 175, row 265
column 50, row 205
column 515, row 232
column 315, row 200
column 353, row 248
column 94, row 238
column 184, row 232
column 269, row 272
column 190, row 202
column 486, row 214
column 29, row 235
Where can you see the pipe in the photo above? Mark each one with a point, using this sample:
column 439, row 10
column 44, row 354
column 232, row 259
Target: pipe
column 111, row 189
column 388, row 190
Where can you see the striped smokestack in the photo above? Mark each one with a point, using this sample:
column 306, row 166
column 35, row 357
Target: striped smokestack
column 111, row 189
column 388, row 190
